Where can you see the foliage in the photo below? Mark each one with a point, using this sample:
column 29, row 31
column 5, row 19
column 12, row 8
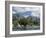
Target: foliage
column 23, row 22
column 15, row 23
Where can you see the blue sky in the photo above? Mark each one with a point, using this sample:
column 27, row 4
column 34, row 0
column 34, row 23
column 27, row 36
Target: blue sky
column 34, row 11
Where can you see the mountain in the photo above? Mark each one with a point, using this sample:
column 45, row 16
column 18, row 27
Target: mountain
column 25, row 14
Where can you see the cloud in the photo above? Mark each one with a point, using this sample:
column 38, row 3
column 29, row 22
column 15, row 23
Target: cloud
column 18, row 9
column 13, row 12
column 35, row 10
column 36, row 13
column 27, row 9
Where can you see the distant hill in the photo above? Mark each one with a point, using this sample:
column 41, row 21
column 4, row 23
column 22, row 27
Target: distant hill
column 25, row 14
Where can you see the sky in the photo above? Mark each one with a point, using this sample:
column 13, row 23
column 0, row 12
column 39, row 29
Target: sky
column 34, row 11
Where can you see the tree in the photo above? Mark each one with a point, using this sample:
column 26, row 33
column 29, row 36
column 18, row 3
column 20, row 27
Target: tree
column 23, row 22
column 15, row 23
column 35, row 23
column 30, row 22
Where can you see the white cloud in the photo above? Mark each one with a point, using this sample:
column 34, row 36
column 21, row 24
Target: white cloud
column 27, row 9
column 35, row 10
column 36, row 14
column 13, row 12
column 19, row 9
